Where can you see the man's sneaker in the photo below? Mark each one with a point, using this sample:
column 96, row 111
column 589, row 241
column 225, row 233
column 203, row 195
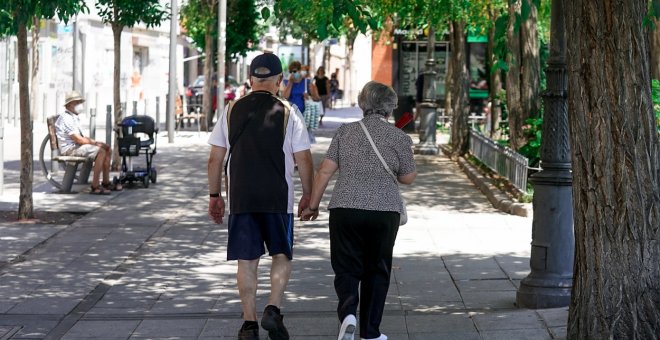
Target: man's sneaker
column 347, row 329
column 249, row 333
column 381, row 337
column 272, row 322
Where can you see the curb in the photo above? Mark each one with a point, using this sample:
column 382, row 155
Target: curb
column 497, row 198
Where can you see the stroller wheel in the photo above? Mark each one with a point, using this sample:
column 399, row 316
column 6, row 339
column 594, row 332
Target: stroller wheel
column 145, row 181
column 153, row 175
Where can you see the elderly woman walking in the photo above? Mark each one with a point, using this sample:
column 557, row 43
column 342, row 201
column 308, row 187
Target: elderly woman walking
column 364, row 209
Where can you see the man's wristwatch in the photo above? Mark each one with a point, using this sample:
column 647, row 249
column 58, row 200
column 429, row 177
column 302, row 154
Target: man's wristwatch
column 214, row 195
column 313, row 210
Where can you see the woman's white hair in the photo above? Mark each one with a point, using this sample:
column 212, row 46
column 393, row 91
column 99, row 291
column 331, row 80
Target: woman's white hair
column 377, row 98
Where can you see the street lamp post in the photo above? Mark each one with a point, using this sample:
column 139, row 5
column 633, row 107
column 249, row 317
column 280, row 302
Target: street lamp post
column 551, row 278
column 171, row 108
column 428, row 115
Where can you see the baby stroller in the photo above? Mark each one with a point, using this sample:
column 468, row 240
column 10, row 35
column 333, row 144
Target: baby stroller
column 137, row 135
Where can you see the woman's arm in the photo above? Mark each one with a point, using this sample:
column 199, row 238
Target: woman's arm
column 286, row 93
column 407, row 178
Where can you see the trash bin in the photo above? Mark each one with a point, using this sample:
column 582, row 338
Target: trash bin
column 405, row 104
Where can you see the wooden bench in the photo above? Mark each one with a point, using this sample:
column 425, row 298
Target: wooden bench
column 51, row 167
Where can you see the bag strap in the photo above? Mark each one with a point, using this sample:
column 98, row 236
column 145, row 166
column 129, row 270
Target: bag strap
column 373, row 145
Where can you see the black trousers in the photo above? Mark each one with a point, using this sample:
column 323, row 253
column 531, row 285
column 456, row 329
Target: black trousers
column 361, row 243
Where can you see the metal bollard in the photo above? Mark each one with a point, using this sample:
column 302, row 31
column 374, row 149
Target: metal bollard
column 44, row 110
column 144, row 113
column 92, row 123
column 16, row 110
column 135, row 108
column 108, row 125
column 2, row 156
column 158, row 112
column 123, row 109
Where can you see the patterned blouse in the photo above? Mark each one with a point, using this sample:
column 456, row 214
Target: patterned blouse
column 363, row 182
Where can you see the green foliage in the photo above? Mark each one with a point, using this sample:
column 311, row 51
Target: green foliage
column 128, row 13
column 320, row 19
column 15, row 13
column 532, row 150
column 655, row 94
column 243, row 24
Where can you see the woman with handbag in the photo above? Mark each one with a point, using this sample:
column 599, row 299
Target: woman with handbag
column 366, row 208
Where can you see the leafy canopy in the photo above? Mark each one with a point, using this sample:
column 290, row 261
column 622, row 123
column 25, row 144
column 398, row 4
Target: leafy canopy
column 15, row 13
column 243, row 24
column 127, row 13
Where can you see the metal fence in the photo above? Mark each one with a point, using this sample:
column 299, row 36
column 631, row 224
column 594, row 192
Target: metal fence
column 503, row 160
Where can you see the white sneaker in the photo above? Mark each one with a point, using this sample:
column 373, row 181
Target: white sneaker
column 347, row 329
column 381, row 337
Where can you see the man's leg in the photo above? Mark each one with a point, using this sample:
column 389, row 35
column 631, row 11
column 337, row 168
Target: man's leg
column 247, row 287
column 98, row 167
column 280, row 271
column 106, row 165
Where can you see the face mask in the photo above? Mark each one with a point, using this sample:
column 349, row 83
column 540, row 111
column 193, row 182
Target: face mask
column 79, row 108
column 303, row 73
column 296, row 76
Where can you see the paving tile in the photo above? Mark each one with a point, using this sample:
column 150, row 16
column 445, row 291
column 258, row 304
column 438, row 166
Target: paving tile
column 522, row 319
column 522, row 334
column 558, row 332
column 474, row 335
column 168, row 328
column 46, row 305
column 484, row 285
column 554, row 317
column 490, row 300
column 432, row 306
column 35, row 329
column 120, row 329
column 182, row 306
column 218, row 328
column 446, row 322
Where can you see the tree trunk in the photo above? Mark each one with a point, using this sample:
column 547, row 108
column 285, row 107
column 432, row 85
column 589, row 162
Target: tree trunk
column 513, row 79
column 531, row 68
column 116, row 99
column 614, row 145
column 460, row 82
column 654, row 40
column 449, row 79
column 350, row 44
column 35, row 93
column 25, row 204
column 495, row 81
column 207, row 96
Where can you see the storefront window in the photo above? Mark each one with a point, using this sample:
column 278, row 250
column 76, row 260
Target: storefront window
column 413, row 58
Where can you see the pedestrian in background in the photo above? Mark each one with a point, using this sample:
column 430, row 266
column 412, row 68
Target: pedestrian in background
column 334, row 89
column 322, row 84
column 294, row 87
column 364, row 209
column 261, row 135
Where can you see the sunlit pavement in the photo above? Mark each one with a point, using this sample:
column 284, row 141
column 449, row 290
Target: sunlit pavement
column 146, row 263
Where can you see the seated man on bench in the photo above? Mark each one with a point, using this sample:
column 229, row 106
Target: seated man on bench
column 72, row 143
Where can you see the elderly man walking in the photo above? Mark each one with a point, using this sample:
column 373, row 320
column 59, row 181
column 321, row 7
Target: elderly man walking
column 260, row 135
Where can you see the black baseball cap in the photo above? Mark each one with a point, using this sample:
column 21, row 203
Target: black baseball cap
column 265, row 65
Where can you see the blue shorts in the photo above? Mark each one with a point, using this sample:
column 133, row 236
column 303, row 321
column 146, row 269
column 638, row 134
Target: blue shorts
column 250, row 231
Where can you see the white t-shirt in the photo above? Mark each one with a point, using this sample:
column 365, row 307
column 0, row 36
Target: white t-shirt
column 295, row 140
